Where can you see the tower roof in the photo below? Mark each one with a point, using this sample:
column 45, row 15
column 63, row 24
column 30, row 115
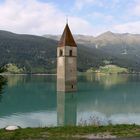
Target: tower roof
column 67, row 38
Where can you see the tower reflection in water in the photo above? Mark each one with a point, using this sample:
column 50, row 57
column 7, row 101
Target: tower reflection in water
column 66, row 109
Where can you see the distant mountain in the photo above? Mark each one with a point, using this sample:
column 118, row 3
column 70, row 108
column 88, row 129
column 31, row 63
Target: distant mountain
column 81, row 39
column 122, row 49
column 38, row 53
column 33, row 53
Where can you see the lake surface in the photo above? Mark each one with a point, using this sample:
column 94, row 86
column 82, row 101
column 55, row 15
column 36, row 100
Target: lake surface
column 32, row 101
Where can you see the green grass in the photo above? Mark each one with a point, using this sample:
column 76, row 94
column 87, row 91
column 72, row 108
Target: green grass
column 12, row 68
column 109, row 69
column 56, row 133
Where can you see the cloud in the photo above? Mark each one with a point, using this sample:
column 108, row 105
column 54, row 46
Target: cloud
column 135, row 10
column 101, row 17
column 129, row 21
column 131, row 27
column 35, row 17
column 80, row 4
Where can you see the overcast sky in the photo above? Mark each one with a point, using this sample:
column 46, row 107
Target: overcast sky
column 90, row 17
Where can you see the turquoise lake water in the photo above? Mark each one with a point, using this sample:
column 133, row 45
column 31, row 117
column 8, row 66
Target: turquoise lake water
column 32, row 101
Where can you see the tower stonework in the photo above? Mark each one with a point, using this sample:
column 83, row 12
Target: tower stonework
column 67, row 62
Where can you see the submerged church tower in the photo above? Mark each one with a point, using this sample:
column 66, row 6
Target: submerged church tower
column 67, row 62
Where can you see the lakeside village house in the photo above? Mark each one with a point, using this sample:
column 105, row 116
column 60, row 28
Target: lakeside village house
column 66, row 62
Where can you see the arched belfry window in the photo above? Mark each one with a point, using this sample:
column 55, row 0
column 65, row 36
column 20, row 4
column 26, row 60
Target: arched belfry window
column 61, row 53
column 72, row 86
column 70, row 53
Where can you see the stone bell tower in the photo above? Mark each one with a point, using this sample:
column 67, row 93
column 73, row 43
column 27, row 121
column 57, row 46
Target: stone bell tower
column 67, row 62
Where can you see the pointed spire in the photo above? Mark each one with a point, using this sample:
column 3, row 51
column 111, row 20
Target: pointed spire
column 67, row 19
column 67, row 38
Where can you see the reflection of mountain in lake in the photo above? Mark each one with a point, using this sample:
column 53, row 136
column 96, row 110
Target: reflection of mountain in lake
column 33, row 93
column 13, row 80
column 3, row 82
column 119, row 98
column 107, row 80
column 66, row 108
column 29, row 94
column 34, row 97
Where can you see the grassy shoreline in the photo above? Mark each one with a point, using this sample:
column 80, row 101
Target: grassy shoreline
column 72, row 132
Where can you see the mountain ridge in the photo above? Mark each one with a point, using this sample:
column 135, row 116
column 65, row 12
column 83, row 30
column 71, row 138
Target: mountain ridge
column 37, row 54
